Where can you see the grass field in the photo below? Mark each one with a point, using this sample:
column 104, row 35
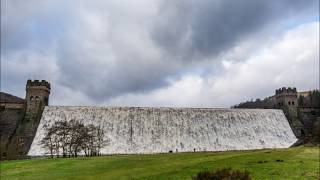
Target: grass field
column 298, row 163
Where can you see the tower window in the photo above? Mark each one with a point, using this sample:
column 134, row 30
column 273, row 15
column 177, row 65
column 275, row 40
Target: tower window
column 289, row 103
column 31, row 98
column 46, row 100
column 37, row 98
column 292, row 102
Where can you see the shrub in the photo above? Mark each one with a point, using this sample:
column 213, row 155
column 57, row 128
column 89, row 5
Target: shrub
column 225, row 174
column 260, row 162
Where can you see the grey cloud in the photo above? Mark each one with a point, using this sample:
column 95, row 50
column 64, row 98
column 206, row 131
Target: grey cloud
column 104, row 81
column 105, row 56
column 105, row 49
column 194, row 29
column 83, row 54
column 31, row 24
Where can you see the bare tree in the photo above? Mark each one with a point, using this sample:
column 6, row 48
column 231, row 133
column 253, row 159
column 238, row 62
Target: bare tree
column 63, row 131
column 78, row 137
column 48, row 141
column 91, row 139
column 100, row 139
column 72, row 137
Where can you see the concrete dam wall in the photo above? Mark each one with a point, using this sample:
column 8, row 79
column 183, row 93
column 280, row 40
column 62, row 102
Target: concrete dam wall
column 134, row 130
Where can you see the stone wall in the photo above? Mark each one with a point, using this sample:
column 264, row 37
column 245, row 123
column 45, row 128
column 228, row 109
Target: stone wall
column 308, row 116
column 20, row 118
column 9, row 120
column 134, row 130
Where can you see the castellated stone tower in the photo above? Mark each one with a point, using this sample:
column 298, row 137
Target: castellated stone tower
column 287, row 100
column 37, row 97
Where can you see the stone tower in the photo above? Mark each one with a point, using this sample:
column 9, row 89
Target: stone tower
column 37, row 97
column 287, row 100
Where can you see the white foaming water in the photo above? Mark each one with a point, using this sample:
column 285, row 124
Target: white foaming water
column 134, row 130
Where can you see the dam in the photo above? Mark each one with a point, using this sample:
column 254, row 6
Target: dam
column 145, row 130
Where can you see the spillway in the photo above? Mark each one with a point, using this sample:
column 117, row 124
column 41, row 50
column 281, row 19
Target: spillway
column 135, row 130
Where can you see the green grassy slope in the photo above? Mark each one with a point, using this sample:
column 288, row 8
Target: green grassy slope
column 298, row 163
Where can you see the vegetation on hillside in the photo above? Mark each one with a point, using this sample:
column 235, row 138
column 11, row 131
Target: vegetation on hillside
column 311, row 100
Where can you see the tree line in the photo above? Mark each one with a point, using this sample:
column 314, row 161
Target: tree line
column 311, row 100
column 69, row 138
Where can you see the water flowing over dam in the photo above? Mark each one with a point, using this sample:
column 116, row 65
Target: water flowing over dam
column 134, row 130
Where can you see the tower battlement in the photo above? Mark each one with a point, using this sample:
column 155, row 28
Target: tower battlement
column 37, row 83
column 285, row 90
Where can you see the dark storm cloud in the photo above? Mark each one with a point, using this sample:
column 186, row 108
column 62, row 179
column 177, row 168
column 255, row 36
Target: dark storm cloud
column 103, row 80
column 103, row 49
column 195, row 29
column 97, row 51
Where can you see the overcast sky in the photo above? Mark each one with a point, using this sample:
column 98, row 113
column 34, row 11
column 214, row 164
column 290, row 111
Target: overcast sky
column 190, row 53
